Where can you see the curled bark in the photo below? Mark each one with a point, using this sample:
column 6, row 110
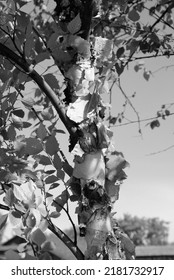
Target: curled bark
column 98, row 170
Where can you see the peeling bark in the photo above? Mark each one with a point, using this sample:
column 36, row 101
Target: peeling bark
column 98, row 169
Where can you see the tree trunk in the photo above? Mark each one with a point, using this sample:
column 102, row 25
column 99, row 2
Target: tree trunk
column 98, row 169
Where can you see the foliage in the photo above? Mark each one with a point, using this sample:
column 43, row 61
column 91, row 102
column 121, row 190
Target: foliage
column 145, row 231
column 69, row 57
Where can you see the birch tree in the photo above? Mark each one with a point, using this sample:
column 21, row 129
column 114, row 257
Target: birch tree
column 70, row 52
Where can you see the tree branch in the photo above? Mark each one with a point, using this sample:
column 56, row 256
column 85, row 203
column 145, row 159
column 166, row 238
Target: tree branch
column 4, row 207
column 161, row 151
column 170, row 7
column 39, row 80
column 143, row 120
column 71, row 221
column 67, row 241
column 130, row 103
column 61, row 235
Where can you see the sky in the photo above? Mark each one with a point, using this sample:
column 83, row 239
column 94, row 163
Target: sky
column 149, row 188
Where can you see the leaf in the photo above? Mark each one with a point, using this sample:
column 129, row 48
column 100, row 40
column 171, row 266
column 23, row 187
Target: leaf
column 38, row 237
column 42, row 57
column 41, row 132
column 60, row 174
column 74, row 198
column 26, row 124
column 15, row 218
column 33, row 219
column 9, row 197
column 19, row 113
column 33, row 146
column 52, row 146
column 133, row 15
column 19, row 147
column 51, row 179
column 167, row 112
column 45, row 256
column 18, row 193
column 22, row 20
column 60, row 200
column 29, row 44
column 49, row 172
column 113, row 120
column 17, row 122
column 28, row 102
column 7, row 176
column 119, row 68
column 46, row 115
column 12, row 255
column 154, row 124
column 11, row 133
column 137, row 68
column 3, row 220
column 48, row 246
column 74, row 25
column 43, row 225
column 67, row 168
column 120, row 52
column 44, row 160
column 39, row 184
column 1, row 122
column 146, row 75
column 28, row 173
column 52, row 81
column 54, row 214
column 53, row 186
column 57, row 162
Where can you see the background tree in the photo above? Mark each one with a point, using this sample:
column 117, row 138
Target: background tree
column 69, row 57
column 145, row 231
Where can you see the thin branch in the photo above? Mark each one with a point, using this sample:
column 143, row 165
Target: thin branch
column 170, row 7
column 110, row 97
column 130, row 103
column 13, row 40
column 161, row 151
column 151, row 56
column 163, row 67
column 66, row 240
column 34, row 111
column 143, row 120
column 69, row 217
column 4, row 207
column 39, row 80
column 157, row 17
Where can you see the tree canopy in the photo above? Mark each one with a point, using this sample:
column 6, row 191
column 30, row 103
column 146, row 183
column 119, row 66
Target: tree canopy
column 57, row 58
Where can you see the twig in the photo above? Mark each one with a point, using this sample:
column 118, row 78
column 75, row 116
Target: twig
column 4, row 207
column 143, row 120
column 66, row 240
column 163, row 67
column 73, row 225
column 171, row 6
column 130, row 103
column 161, row 151
column 151, row 56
